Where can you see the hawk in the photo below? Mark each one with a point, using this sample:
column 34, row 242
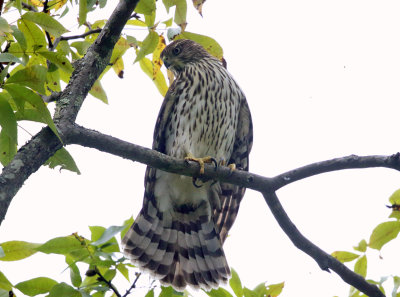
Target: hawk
column 178, row 235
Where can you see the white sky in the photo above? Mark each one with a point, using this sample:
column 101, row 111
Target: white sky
column 322, row 81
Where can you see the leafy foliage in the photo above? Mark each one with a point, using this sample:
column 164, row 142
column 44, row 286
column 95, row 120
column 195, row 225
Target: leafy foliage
column 37, row 58
column 381, row 235
column 102, row 261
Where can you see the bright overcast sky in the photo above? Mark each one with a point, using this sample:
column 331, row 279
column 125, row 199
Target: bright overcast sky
column 322, row 80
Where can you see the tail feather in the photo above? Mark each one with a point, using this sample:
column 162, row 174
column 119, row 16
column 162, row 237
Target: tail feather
column 178, row 251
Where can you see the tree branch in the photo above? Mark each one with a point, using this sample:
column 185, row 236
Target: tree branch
column 324, row 260
column 44, row 144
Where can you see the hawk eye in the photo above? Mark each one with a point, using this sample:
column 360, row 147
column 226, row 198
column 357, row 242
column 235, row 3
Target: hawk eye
column 176, row 51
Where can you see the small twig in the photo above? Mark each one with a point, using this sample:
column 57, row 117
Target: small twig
column 108, row 283
column 138, row 274
column 29, row 7
column 46, row 10
column 98, row 30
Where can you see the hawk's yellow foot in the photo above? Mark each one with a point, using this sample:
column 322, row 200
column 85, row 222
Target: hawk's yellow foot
column 201, row 161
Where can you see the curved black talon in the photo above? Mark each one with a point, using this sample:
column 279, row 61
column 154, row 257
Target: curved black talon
column 215, row 164
column 194, row 179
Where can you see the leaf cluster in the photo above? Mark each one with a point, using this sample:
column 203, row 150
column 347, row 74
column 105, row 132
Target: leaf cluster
column 382, row 234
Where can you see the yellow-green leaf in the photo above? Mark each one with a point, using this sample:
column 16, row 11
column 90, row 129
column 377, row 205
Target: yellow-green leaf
column 136, row 23
column 35, row 38
column 33, row 77
column 275, row 289
column 4, row 26
column 82, row 11
column 148, row 46
column 63, row 159
column 362, row 246
column 395, row 198
column 208, row 43
column 120, row 48
column 361, row 266
column 123, row 270
column 58, row 59
column 7, row 57
column 8, row 149
column 64, row 290
column 23, row 93
column 98, row 92
column 19, row 37
column 146, row 7
column 159, row 80
column 60, row 245
column 343, row 256
column 17, row 250
column 383, row 233
column 74, row 273
column 48, row 23
column 198, row 4
column 236, row 284
column 180, row 13
column 5, row 283
column 157, row 62
column 36, row 286
column 8, row 122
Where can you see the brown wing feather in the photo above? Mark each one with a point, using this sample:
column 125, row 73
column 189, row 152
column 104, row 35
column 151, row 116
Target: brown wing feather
column 232, row 195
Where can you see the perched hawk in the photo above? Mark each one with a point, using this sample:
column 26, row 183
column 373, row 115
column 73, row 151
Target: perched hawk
column 178, row 235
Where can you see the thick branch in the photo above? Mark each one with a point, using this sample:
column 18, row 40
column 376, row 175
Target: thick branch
column 349, row 162
column 43, row 145
column 324, row 260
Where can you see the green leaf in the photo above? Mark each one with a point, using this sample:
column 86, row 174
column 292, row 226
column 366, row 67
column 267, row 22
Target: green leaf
column 249, row 293
column 21, row 93
column 180, row 13
column 168, row 4
column 17, row 250
column 108, row 234
column 159, row 81
column 8, row 122
column 35, row 38
column 4, row 293
column 5, row 283
column 395, row 197
column 166, row 291
column 81, row 46
column 210, row 44
column 63, row 159
column 361, row 266
column 74, row 272
column 220, row 292
column 343, row 256
column 48, row 23
column 148, row 46
column 7, row 57
column 36, row 286
column 275, row 289
column 98, row 92
column 136, row 23
column 82, row 11
column 60, row 245
column 8, row 149
column 383, row 233
column 19, row 37
column 57, row 59
column 362, row 246
column 168, row 23
column 146, row 7
column 127, row 224
column 64, row 290
column 236, row 284
column 150, row 293
column 33, row 77
column 4, row 26
column 123, row 270
column 260, row 290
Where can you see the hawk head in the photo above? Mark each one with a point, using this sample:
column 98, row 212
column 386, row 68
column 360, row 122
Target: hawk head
column 182, row 52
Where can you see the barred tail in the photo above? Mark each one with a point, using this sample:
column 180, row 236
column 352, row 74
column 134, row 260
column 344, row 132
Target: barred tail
column 177, row 252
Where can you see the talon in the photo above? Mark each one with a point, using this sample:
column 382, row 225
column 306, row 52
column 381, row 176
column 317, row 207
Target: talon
column 194, row 179
column 201, row 161
column 232, row 167
column 215, row 163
